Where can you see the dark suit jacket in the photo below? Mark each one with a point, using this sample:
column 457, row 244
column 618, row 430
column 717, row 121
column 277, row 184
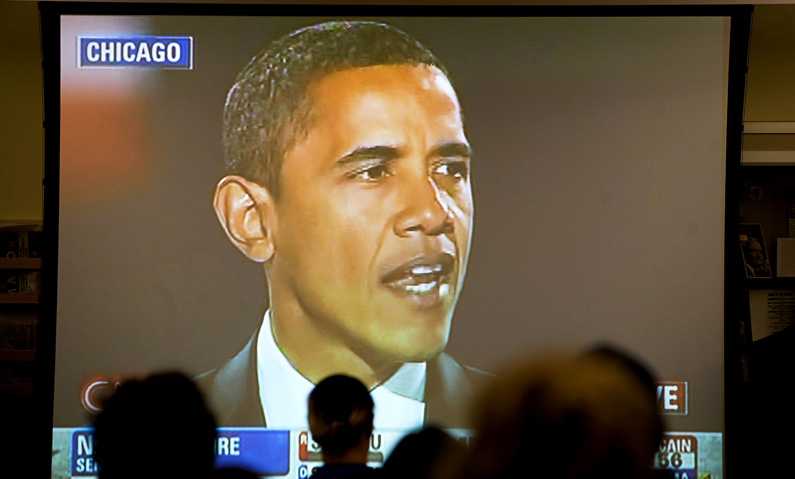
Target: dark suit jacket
column 232, row 390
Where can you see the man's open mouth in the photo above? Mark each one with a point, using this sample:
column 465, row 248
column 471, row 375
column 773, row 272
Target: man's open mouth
column 424, row 277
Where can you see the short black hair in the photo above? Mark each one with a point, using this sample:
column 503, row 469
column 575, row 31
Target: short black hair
column 340, row 413
column 266, row 109
column 168, row 403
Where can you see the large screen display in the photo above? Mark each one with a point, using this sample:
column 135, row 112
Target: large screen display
column 260, row 201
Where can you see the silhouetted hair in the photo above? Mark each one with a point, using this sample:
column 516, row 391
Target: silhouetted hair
column 568, row 417
column 422, row 454
column 639, row 371
column 234, row 473
column 340, row 413
column 163, row 411
column 267, row 110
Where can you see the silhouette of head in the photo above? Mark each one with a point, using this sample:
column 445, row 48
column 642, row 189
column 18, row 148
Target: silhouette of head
column 340, row 414
column 158, row 427
column 422, row 454
column 573, row 417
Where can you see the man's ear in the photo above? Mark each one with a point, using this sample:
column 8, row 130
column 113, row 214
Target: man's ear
column 247, row 213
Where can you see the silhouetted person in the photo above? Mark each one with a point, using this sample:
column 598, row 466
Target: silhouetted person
column 569, row 417
column 770, row 414
column 640, row 371
column 155, row 428
column 341, row 422
column 234, row 473
column 422, row 455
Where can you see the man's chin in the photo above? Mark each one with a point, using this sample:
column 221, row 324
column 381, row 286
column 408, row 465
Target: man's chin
column 415, row 353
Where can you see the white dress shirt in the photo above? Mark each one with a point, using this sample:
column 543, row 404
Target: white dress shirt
column 283, row 391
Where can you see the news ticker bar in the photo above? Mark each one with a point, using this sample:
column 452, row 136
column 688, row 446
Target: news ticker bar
column 269, row 452
column 143, row 51
column 260, row 450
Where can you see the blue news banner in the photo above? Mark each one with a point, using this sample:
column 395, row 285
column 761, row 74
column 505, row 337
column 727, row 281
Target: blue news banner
column 293, row 454
column 262, row 451
column 144, row 51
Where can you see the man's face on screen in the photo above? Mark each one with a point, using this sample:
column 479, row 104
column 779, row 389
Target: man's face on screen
column 375, row 211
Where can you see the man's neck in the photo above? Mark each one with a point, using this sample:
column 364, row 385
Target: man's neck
column 317, row 353
column 399, row 399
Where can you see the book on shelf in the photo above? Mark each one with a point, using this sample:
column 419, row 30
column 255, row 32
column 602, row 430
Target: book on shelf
column 21, row 241
column 17, row 332
column 16, row 373
column 791, row 216
column 29, row 281
column 17, row 339
column 9, row 281
column 30, row 244
column 9, row 244
column 19, row 281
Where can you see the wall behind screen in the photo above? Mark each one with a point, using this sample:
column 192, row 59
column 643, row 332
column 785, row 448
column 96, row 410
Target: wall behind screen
column 21, row 162
column 598, row 178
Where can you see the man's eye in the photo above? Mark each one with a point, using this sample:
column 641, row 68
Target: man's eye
column 458, row 169
column 370, row 173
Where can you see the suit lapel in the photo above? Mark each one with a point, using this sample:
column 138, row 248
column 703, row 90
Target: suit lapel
column 448, row 392
column 232, row 390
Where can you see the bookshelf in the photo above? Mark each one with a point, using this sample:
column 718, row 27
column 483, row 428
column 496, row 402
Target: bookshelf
column 18, row 321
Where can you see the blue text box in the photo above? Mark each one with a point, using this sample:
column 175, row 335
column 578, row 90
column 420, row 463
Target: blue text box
column 136, row 51
column 262, row 451
column 83, row 463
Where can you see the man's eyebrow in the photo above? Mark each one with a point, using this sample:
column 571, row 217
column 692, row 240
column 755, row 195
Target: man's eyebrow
column 369, row 153
column 452, row 149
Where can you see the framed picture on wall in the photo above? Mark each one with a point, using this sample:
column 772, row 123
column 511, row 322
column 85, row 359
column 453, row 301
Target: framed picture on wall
column 755, row 257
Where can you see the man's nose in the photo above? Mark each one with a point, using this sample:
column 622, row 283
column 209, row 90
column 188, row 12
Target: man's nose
column 426, row 210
